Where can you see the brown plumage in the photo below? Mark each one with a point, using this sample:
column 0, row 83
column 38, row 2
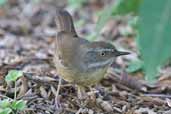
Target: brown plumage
column 64, row 22
column 77, row 60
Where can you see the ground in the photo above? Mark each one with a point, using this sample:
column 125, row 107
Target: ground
column 27, row 36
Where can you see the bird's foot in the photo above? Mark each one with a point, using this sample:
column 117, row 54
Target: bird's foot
column 82, row 97
column 83, row 100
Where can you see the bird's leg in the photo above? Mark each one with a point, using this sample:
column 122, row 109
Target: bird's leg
column 57, row 101
column 81, row 93
column 93, row 93
column 82, row 96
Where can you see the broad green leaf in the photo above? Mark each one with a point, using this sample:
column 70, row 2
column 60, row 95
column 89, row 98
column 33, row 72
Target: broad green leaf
column 13, row 75
column 154, row 38
column 2, row 2
column 4, row 103
column 120, row 7
column 18, row 105
column 5, row 111
column 134, row 66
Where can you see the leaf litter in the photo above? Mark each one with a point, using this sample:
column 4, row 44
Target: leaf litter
column 27, row 43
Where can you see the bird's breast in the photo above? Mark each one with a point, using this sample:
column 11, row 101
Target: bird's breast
column 82, row 78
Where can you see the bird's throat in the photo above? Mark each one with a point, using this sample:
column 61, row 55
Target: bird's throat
column 100, row 64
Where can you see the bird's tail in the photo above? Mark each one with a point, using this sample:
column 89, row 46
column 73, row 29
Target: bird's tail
column 64, row 22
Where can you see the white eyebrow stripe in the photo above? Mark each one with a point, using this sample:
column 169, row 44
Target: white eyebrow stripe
column 100, row 50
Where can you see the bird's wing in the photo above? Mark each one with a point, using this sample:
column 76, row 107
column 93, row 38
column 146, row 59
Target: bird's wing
column 67, row 47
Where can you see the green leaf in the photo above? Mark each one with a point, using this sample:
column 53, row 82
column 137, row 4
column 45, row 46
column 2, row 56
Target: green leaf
column 92, row 36
column 5, row 111
column 120, row 7
column 18, row 105
column 104, row 16
column 75, row 4
column 79, row 23
column 154, row 39
column 2, row 2
column 13, row 75
column 134, row 66
column 4, row 103
column 124, row 7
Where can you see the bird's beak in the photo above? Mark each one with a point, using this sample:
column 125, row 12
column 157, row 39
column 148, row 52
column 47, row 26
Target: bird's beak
column 120, row 53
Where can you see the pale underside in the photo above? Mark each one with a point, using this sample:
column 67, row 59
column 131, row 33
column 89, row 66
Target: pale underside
column 82, row 78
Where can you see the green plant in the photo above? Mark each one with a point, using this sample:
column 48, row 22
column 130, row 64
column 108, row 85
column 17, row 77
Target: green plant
column 2, row 2
column 5, row 110
column 153, row 31
column 75, row 4
column 134, row 66
column 154, row 35
column 12, row 76
column 8, row 105
column 120, row 7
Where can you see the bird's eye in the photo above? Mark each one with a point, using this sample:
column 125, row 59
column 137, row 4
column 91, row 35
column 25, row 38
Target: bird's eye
column 102, row 53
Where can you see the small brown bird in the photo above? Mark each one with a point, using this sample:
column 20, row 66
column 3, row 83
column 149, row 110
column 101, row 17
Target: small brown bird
column 76, row 59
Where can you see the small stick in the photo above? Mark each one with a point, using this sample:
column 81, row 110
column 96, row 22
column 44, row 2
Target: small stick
column 157, row 95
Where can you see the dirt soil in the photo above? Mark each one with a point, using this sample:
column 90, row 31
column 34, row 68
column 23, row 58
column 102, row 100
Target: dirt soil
column 27, row 36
